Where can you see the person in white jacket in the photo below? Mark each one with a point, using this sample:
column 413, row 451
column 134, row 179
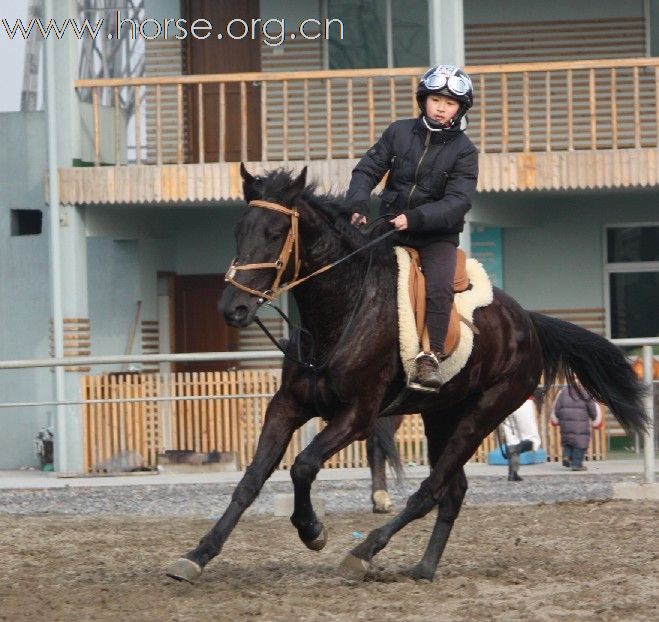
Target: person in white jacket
column 521, row 432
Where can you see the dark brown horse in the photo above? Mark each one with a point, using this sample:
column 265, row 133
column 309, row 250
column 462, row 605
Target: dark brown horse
column 352, row 370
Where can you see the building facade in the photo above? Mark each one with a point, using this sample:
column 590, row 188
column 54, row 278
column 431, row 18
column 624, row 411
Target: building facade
column 566, row 120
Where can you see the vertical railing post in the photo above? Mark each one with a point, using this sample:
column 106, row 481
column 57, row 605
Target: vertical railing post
column 201, row 155
column 285, row 120
column 570, row 112
column 117, row 126
column 525, row 112
column 222, row 125
column 179, row 123
column 328, row 117
column 637, row 110
column 548, row 110
column 243, row 121
column 158, row 125
column 264, row 121
column 614, row 111
column 351, row 127
column 504, row 113
column 137, row 91
column 656, row 106
column 97, row 128
column 592, row 97
column 482, row 96
column 305, row 117
column 648, row 438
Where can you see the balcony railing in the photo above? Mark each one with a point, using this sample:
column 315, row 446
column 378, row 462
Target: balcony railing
column 533, row 107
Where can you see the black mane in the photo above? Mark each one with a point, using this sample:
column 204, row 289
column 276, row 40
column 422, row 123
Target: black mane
column 275, row 186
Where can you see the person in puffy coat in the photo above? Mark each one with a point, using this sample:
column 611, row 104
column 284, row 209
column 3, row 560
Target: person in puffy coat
column 575, row 411
column 521, row 433
column 433, row 170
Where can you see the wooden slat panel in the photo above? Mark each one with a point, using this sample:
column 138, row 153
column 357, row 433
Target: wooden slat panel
column 233, row 425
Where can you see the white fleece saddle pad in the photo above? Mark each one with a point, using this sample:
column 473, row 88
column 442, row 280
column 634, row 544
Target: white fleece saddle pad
column 480, row 295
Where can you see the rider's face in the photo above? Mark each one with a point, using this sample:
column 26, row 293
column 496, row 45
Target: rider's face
column 440, row 108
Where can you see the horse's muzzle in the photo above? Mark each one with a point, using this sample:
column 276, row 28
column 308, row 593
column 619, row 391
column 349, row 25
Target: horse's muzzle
column 237, row 316
column 237, row 313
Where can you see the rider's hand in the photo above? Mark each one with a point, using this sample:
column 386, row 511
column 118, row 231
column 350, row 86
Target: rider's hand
column 400, row 222
column 358, row 219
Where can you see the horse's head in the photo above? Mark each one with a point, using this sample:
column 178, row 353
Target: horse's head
column 263, row 238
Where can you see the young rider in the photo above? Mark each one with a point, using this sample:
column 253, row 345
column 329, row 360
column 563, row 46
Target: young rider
column 433, row 170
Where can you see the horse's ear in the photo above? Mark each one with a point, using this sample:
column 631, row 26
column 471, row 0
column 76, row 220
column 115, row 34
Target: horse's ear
column 244, row 173
column 300, row 181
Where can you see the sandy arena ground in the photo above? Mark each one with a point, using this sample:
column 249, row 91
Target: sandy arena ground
column 565, row 561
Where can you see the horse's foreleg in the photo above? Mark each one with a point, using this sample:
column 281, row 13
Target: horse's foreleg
column 447, row 511
column 339, row 433
column 281, row 420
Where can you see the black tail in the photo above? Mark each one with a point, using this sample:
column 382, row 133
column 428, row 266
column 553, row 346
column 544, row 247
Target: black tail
column 600, row 366
column 383, row 434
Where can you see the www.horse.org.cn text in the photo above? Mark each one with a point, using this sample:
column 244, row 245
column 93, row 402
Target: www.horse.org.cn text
column 272, row 31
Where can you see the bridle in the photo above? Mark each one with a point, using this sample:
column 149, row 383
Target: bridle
column 291, row 246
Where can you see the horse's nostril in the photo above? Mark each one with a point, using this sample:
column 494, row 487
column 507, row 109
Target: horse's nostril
column 240, row 313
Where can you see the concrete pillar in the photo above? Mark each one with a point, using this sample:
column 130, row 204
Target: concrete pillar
column 446, row 31
column 73, row 260
column 446, row 46
column 70, row 253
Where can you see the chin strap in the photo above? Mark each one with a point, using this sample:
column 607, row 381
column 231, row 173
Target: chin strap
column 429, row 125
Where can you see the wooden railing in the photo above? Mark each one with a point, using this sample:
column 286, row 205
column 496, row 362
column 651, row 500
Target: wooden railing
column 116, row 431
column 531, row 107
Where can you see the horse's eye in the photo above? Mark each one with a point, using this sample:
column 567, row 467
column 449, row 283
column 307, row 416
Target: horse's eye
column 273, row 236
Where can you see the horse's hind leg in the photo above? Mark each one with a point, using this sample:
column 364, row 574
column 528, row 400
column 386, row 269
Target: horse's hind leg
column 448, row 509
column 377, row 464
column 282, row 419
column 376, row 455
column 481, row 415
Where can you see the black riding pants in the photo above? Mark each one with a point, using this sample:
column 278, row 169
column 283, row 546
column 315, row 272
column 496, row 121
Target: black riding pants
column 438, row 263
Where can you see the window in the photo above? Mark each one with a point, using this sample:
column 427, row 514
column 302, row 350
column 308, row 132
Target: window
column 26, row 221
column 632, row 280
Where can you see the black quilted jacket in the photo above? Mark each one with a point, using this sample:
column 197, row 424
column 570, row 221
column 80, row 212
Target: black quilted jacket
column 432, row 179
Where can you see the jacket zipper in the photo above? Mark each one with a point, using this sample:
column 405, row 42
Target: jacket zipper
column 426, row 144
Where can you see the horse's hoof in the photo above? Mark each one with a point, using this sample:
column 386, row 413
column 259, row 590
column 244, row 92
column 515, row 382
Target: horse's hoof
column 318, row 544
column 381, row 502
column 420, row 572
column 353, row 568
column 184, row 569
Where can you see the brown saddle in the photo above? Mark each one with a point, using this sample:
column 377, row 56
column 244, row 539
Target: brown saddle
column 417, row 287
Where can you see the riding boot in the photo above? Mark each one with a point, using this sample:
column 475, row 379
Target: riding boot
column 513, row 463
column 525, row 445
column 426, row 372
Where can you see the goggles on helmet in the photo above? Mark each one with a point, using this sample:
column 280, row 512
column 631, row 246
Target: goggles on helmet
column 444, row 76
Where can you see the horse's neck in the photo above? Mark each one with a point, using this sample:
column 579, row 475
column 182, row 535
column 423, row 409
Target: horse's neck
column 325, row 301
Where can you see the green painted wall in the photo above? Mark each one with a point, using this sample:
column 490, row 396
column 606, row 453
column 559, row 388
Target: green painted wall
column 24, row 286
column 557, row 263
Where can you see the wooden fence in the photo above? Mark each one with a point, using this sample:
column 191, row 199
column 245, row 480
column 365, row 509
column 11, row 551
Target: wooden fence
column 302, row 115
column 181, row 412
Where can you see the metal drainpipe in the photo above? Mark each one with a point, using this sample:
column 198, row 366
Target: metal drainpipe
column 55, row 258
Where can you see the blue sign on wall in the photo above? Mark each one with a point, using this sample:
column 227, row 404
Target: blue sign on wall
column 487, row 247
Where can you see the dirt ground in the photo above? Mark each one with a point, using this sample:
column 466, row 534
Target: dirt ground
column 567, row 561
